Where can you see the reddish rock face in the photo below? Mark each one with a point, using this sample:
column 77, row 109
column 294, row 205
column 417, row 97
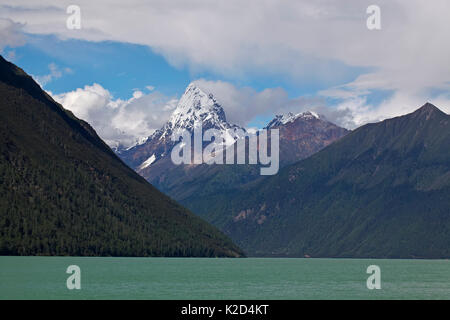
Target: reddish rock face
column 305, row 136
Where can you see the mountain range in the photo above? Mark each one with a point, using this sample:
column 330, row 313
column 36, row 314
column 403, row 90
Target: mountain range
column 382, row 191
column 201, row 187
column 379, row 191
column 301, row 135
column 63, row 191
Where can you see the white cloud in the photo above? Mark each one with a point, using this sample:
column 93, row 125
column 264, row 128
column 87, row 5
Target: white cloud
column 11, row 34
column 278, row 36
column 115, row 120
column 303, row 40
column 243, row 104
column 55, row 73
column 357, row 111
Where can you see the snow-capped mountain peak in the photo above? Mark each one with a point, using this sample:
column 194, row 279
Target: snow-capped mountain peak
column 196, row 105
column 283, row 119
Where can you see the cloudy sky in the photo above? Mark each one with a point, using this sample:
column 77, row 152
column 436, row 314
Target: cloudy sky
column 124, row 70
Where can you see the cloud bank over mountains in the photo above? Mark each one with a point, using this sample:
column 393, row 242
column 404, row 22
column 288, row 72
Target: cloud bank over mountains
column 129, row 121
column 406, row 62
column 11, row 34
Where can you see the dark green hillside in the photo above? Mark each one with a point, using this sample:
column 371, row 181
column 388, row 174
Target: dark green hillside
column 382, row 191
column 64, row 192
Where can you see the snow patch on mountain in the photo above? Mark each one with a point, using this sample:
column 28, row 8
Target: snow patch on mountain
column 291, row 117
column 147, row 162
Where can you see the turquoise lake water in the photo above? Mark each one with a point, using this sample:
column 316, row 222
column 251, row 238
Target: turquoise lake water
column 197, row 278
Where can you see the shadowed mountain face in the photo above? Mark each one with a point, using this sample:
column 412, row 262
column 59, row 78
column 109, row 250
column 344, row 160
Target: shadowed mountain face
column 64, row 192
column 382, row 191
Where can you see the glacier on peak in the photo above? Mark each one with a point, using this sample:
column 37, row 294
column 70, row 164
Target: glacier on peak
column 195, row 106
